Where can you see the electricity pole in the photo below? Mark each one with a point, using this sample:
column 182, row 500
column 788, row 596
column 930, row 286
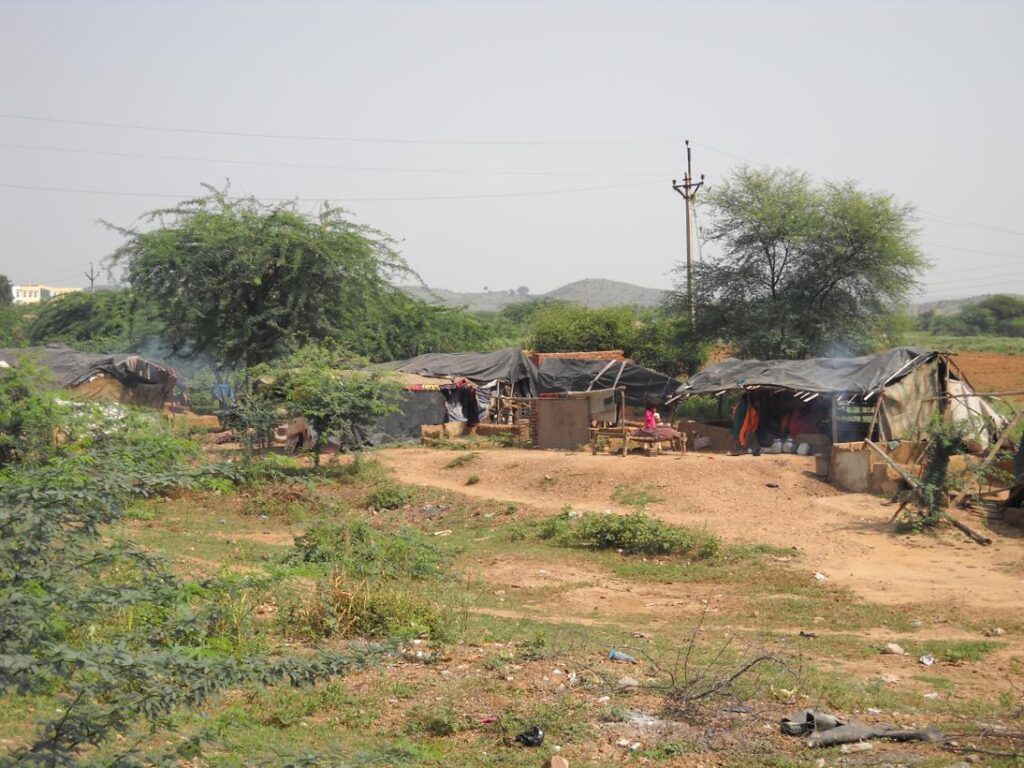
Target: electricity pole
column 91, row 277
column 688, row 189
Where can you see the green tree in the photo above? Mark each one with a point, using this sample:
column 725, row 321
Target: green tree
column 802, row 269
column 104, row 321
column 649, row 336
column 245, row 282
column 6, row 291
column 327, row 388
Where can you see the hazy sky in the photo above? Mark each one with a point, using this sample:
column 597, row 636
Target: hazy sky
column 509, row 143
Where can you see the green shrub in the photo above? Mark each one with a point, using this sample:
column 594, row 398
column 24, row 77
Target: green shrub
column 472, row 479
column 634, row 533
column 380, row 608
column 388, row 496
column 362, row 551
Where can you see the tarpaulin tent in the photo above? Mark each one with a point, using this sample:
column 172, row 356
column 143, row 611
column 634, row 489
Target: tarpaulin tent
column 124, row 378
column 509, row 365
column 903, row 387
column 642, row 384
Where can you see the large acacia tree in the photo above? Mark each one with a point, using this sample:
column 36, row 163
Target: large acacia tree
column 244, row 282
column 801, row 269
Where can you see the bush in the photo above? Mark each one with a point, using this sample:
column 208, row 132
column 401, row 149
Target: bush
column 388, row 496
column 634, row 533
column 361, row 551
column 380, row 608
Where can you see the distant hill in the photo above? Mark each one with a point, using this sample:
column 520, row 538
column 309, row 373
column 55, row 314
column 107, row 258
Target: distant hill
column 593, row 293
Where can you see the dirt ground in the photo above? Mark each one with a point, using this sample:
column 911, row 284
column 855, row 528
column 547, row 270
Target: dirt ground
column 845, row 537
column 991, row 371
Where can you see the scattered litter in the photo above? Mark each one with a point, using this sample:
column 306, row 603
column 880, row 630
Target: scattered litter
column 820, row 576
column 825, row 730
column 893, row 649
column 738, row 709
column 622, row 743
column 627, row 683
column 534, row 737
column 771, row 485
column 890, row 679
column 642, row 635
column 488, row 719
column 916, row 623
column 615, row 655
column 994, row 632
column 445, row 532
column 932, row 695
column 433, row 510
column 603, row 699
column 805, row 633
column 857, row 746
column 927, row 660
column 556, row 761
column 873, row 711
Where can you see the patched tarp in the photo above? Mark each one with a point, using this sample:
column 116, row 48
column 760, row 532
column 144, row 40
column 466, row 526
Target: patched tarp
column 642, row 384
column 414, row 410
column 144, row 382
column 509, row 365
column 842, row 375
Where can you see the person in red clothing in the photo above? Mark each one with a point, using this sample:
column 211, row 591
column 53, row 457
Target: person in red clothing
column 650, row 416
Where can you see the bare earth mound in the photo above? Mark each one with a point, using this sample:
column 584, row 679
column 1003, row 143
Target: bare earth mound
column 846, row 537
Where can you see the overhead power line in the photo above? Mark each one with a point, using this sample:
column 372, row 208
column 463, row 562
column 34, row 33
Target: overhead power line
column 319, row 166
column 481, row 196
column 313, row 137
column 942, row 218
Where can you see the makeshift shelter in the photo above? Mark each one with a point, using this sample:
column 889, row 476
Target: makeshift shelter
column 642, row 385
column 888, row 396
column 124, row 378
column 509, row 366
column 424, row 401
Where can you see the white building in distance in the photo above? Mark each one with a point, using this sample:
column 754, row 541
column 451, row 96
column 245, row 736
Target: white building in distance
column 36, row 294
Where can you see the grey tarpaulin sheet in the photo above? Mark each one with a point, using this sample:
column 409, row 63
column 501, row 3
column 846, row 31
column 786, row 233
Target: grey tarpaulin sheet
column 853, row 375
column 642, row 384
column 70, row 367
column 414, row 409
column 479, row 367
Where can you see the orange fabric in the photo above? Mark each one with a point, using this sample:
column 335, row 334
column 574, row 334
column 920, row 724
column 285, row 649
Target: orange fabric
column 750, row 424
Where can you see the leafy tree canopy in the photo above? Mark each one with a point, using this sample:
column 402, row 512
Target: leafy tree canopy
column 6, row 291
column 1000, row 315
column 648, row 336
column 803, row 269
column 325, row 387
column 244, row 282
column 105, row 321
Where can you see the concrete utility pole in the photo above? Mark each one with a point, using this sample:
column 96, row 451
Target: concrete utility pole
column 91, row 277
column 688, row 189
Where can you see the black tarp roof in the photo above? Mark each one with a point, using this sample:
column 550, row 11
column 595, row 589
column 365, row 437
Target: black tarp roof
column 642, row 384
column 848, row 375
column 479, row 367
column 71, row 367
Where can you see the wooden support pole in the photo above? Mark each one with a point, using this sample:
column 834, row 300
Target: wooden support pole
column 913, row 481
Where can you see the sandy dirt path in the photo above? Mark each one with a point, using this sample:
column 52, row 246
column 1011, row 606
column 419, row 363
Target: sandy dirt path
column 847, row 537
